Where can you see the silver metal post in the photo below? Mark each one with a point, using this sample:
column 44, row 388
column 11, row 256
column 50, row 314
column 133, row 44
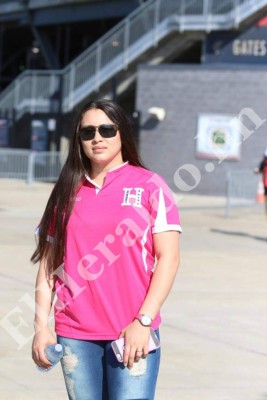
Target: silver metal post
column 30, row 168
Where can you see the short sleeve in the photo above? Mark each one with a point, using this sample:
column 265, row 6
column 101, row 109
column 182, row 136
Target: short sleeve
column 164, row 212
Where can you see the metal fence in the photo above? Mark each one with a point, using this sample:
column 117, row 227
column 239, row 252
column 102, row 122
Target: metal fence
column 242, row 185
column 30, row 166
column 35, row 91
column 242, row 189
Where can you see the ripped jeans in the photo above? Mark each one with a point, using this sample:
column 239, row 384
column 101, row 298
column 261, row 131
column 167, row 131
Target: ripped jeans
column 92, row 372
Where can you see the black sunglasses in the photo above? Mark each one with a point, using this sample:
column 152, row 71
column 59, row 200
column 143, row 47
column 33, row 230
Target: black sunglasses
column 105, row 130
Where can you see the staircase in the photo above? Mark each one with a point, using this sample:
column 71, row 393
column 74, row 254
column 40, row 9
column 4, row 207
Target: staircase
column 36, row 91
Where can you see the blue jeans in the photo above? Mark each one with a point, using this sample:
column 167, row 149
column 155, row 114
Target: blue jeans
column 92, row 372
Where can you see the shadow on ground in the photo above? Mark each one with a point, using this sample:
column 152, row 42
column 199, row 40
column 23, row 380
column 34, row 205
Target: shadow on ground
column 233, row 233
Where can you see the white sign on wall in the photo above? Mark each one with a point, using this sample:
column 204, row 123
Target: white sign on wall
column 218, row 136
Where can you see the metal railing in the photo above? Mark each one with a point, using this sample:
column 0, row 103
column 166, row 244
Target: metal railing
column 30, row 166
column 242, row 185
column 35, row 91
column 242, row 188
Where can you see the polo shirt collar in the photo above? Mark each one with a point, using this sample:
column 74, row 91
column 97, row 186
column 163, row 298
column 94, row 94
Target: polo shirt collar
column 111, row 170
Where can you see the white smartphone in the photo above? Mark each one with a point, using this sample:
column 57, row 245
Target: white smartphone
column 118, row 345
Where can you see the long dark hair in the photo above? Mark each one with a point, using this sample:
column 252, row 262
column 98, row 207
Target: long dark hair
column 61, row 200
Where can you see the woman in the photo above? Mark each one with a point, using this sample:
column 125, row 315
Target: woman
column 262, row 169
column 106, row 222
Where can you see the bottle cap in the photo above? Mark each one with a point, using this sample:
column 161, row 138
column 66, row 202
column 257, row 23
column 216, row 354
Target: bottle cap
column 58, row 347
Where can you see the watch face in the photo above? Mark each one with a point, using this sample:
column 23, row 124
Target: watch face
column 146, row 320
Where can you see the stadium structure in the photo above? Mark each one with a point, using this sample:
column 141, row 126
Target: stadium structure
column 192, row 74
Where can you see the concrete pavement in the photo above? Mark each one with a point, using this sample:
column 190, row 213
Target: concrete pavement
column 213, row 337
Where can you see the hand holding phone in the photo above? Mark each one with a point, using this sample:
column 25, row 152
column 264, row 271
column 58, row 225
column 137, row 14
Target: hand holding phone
column 118, row 345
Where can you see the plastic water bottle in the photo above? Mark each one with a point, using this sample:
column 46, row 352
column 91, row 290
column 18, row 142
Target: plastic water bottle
column 53, row 352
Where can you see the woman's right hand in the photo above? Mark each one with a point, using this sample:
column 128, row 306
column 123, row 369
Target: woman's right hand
column 41, row 339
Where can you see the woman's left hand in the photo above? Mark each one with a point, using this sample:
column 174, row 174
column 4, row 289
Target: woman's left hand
column 136, row 337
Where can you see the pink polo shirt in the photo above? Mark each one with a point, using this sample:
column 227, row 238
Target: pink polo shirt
column 109, row 257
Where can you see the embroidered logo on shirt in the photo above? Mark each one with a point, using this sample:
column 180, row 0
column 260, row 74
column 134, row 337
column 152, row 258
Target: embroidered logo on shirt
column 78, row 199
column 132, row 197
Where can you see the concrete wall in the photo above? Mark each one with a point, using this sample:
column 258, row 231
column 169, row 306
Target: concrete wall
column 184, row 91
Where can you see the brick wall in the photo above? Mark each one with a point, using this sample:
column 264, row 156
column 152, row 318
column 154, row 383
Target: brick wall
column 184, row 91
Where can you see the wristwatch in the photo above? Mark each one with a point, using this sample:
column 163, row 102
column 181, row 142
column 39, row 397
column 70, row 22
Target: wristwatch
column 144, row 319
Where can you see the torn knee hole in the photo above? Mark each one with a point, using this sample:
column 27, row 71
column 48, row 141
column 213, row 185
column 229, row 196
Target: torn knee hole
column 69, row 360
